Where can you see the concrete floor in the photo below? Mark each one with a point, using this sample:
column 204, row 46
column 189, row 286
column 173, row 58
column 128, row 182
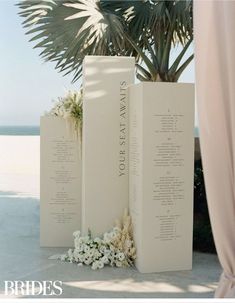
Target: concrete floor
column 21, row 258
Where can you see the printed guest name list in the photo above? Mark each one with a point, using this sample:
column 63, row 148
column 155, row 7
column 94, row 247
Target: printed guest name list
column 60, row 205
column 161, row 174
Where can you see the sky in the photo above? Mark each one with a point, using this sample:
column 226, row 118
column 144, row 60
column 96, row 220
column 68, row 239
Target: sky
column 27, row 84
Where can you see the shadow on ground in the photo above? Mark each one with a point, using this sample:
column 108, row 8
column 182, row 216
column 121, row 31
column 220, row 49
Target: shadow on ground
column 23, row 259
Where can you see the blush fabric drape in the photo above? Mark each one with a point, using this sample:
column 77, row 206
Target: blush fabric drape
column 214, row 28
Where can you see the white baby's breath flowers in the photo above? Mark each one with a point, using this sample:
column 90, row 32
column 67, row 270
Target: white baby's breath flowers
column 114, row 248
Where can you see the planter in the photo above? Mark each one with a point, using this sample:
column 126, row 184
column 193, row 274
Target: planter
column 60, row 188
column 105, row 141
column 161, row 174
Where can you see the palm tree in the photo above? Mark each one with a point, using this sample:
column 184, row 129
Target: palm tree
column 68, row 30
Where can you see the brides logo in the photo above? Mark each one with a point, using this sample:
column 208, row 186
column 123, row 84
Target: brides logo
column 122, row 133
column 33, row 288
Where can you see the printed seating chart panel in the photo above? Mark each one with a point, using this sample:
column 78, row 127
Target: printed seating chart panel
column 60, row 198
column 161, row 174
column 105, row 190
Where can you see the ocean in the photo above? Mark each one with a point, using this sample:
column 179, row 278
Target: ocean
column 35, row 131
column 19, row 130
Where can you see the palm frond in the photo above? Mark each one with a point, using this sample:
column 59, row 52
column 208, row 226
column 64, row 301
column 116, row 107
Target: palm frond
column 68, row 30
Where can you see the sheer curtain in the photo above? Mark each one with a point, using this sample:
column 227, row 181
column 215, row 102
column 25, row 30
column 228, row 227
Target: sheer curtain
column 214, row 27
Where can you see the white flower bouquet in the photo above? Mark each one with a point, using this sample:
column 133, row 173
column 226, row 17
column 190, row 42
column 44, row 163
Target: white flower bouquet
column 69, row 107
column 114, row 248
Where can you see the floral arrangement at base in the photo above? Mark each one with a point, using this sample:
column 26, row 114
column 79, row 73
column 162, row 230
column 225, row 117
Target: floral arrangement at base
column 69, row 107
column 115, row 248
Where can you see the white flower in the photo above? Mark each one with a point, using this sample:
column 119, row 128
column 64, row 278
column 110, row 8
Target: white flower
column 81, row 258
column 77, row 234
column 80, row 241
column 97, row 240
column 111, row 260
column 97, row 254
column 94, row 265
column 121, row 256
column 91, row 253
column 86, row 255
column 77, row 243
column 86, row 248
column 82, row 247
column 102, row 248
column 118, row 264
column 107, row 252
column 88, row 261
column 105, row 259
column 100, row 264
